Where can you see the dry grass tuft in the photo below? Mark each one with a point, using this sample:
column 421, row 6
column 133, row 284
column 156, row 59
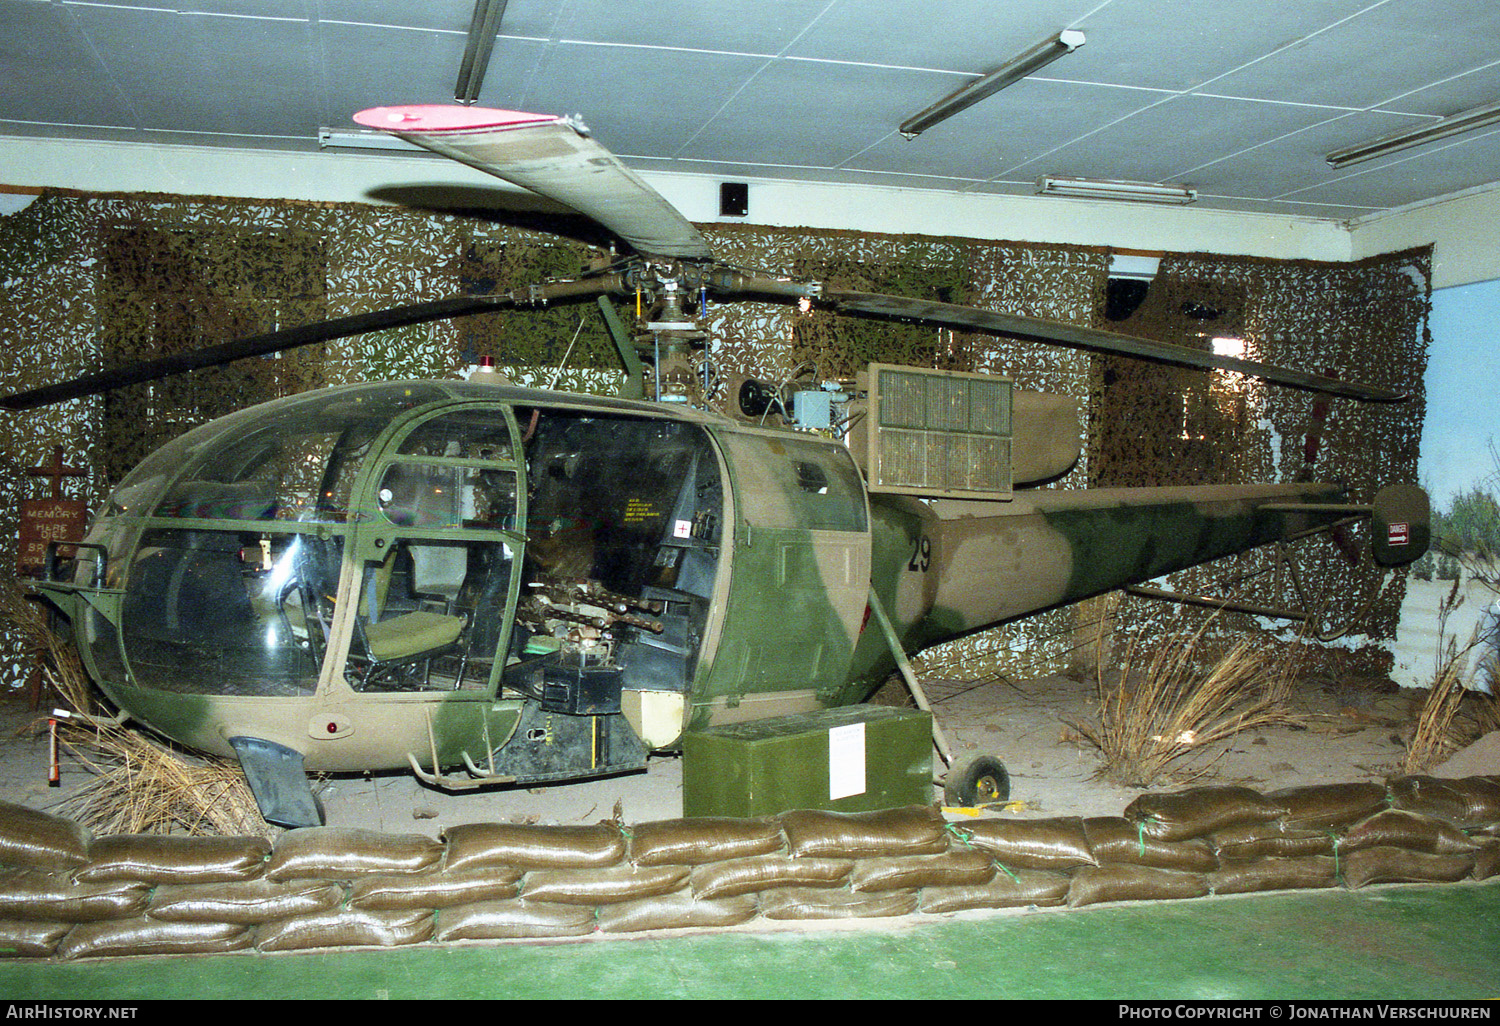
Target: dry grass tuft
column 1436, row 734
column 1156, row 716
column 1453, row 714
column 139, row 785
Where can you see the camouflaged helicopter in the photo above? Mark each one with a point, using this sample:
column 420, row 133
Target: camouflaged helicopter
column 487, row 584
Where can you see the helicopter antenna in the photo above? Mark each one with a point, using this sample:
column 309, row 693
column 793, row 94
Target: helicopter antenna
column 558, row 373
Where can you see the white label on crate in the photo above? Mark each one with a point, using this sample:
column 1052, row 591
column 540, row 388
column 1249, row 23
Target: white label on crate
column 846, row 761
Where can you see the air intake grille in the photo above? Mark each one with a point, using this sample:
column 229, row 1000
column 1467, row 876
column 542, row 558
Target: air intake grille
column 939, row 432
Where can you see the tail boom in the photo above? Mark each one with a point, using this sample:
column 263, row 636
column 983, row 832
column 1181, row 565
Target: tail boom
column 997, row 562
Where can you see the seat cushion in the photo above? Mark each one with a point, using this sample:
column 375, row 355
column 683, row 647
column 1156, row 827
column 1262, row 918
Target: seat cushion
column 412, row 634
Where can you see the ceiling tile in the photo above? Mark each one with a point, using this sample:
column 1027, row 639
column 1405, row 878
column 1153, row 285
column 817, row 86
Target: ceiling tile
column 1447, row 167
column 762, row 27
column 1387, row 51
column 972, row 36
column 619, row 91
column 1179, row 44
column 205, row 73
column 806, row 112
column 1159, row 142
column 1006, row 131
column 49, row 72
column 1243, row 106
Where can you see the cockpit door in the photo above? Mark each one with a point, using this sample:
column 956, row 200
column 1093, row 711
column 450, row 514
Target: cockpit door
column 436, row 549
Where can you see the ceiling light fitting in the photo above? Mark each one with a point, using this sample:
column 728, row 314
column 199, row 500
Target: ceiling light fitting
column 1106, row 189
column 483, row 27
column 364, row 141
column 1012, row 71
column 1466, row 121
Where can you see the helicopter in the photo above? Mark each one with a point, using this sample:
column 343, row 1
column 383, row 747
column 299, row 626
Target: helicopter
column 493, row 585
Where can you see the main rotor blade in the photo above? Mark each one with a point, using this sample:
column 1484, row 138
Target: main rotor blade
column 950, row 315
column 552, row 156
column 310, row 334
column 254, row 345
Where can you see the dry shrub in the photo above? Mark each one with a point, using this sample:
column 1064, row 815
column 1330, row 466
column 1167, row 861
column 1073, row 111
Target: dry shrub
column 1453, row 714
column 1436, row 734
column 1155, row 716
column 1484, row 707
column 138, row 785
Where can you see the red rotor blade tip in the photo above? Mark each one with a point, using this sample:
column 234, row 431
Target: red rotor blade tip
column 445, row 117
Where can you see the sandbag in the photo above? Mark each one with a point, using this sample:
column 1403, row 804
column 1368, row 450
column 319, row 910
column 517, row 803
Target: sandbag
column 173, row 858
column 40, row 840
column 1094, row 884
column 1199, row 811
column 524, row 846
column 602, row 886
column 1276, row 840
column 345, row 928
column 823, row 903
column 1398, row 865
column 1329, row 806
column 679, row 910
column 1021, row 888
column 695, row 842
column 119, row 938
column 914, row 830
column 33, row 895
column 1487, row 862
column 1273, row 874
column 905, row 872
column 338, row 853
column 247, row 902
column 1464, row 802
column 435, row 890
column 1031, row 843
column 514, row 919
column 20, row 939
column 765, row 873
column 1114, row 839
column 1400, row 829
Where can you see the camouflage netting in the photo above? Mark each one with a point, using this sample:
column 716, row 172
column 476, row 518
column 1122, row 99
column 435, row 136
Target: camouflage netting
column 90, row 281
column 65, row 894
column 1364, row 321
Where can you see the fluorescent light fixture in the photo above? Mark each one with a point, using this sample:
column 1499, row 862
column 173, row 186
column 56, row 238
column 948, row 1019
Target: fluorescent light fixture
column 1012, row 71
column 1109, row 189
column 364, row 141
column 1138, row 266
column 1223, row 345
column 1466, row 121
column 482, row 29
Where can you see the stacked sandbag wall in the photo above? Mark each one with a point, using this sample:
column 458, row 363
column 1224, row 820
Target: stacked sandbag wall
column 66, row 895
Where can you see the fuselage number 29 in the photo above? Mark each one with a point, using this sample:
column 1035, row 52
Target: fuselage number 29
column 921, row 555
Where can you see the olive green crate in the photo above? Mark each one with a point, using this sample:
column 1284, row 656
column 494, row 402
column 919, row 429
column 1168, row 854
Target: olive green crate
column 766, row 767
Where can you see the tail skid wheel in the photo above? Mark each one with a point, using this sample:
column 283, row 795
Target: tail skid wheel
column 975, row 781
